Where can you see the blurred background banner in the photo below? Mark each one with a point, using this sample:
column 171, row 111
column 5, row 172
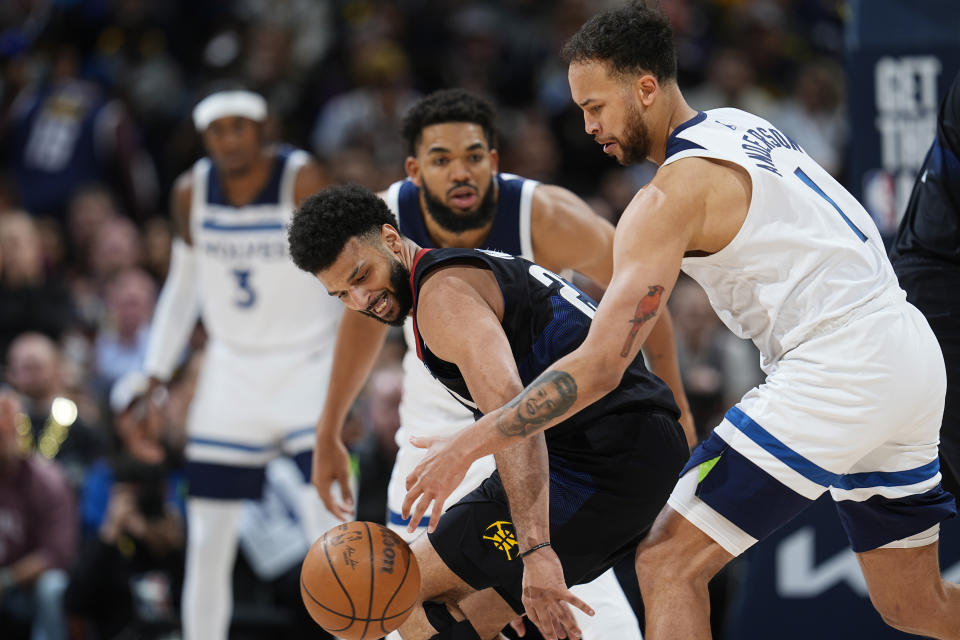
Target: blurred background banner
column 901, row 57
column 804, row 582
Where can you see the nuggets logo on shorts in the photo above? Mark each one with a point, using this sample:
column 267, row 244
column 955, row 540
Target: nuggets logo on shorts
column 500, row 533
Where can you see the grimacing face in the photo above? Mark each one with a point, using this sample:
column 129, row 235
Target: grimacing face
column 367, row 278
column 611, row 113
column 455, row 167
column 233, row 142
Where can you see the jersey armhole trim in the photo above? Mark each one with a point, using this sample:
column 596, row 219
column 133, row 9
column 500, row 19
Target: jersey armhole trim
column 526, row 205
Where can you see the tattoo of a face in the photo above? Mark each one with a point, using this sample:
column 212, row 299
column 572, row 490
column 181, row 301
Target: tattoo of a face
column 646, row 309
column 547, row 397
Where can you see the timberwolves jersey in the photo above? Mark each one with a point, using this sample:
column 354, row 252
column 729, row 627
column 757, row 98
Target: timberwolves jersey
column 807, row 256
column 425, row 408
column 251, row 294
column 544, row 318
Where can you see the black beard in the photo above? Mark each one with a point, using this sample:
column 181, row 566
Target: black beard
column 402, row 293
column 459, row 222
column 636, row 139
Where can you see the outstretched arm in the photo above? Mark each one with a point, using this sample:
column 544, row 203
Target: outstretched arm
column 567, row 234
column 665, row 219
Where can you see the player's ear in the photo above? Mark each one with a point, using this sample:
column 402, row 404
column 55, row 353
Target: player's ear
column 646, row 88
column 413, row 170
column 390, row 237
column 494, row 160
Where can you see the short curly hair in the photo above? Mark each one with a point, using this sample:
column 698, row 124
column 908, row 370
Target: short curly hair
column 326, row 221
column 448, row 105
column 631, row 39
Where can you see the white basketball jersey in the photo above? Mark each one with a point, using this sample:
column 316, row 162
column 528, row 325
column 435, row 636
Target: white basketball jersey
column 426, row 407
column 807, row 254
column 252, row 296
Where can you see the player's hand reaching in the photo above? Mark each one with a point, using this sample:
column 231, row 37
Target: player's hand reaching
column 546, row 597
column 331, row 464
column 433, row 480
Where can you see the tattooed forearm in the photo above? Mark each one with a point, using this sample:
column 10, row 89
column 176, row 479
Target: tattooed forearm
column 646, row 309
column 547, row 397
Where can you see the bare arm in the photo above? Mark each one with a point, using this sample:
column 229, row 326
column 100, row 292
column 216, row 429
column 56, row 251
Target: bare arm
column 567, row 234
column 359, row 340
column 665, row 219
column 310, row 179
column 459, row 297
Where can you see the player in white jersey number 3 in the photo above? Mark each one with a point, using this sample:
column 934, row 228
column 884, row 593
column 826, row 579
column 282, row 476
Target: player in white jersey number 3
column 268, row 356
column 854, row 394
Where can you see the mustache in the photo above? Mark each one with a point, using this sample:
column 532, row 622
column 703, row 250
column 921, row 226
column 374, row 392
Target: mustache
column 462, row 185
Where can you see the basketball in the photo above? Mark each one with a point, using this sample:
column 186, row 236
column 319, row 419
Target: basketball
column 359, row 581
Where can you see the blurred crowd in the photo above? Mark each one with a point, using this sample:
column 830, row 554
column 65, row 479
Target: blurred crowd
column 95, row 97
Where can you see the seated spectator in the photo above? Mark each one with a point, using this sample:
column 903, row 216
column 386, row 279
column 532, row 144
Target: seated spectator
column 29, row 299
column 37, row 535
column 129, row 572
column 52, row 424
column 121, row 343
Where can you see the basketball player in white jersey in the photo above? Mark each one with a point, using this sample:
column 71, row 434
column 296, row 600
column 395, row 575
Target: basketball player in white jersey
column 855, row 382
column 270, row 344
column 455, row 197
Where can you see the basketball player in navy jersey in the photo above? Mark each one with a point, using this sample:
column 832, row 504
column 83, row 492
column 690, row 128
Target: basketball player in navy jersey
column 455, row 196
column 268, row 356
column 484, row 323
column 925, row 255
column 854, row 393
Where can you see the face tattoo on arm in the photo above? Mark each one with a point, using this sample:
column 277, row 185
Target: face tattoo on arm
column 547, row 397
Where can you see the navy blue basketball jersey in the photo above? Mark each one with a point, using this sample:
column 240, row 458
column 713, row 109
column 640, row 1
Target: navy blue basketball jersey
column 545, row 317
column 511, row 225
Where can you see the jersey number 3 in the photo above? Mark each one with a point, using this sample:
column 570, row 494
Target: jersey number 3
column 246, row 296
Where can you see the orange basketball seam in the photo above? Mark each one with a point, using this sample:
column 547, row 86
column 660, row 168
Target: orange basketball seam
column 326, row 552
column 406, row 572
column 372, row 577
column 306, row 589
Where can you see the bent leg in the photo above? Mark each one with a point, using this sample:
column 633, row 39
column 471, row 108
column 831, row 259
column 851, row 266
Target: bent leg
column 907, row 590
column 675, row 562
column 486, row 611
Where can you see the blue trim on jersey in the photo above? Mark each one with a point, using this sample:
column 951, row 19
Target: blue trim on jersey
column 224, row 482
column 817, row 474
column 810, row 183
column 504, row 234
column 270, row 194
column 675, row 144
column 260, row 226
column 398, row 520
column 298, row 433
column 233, row 445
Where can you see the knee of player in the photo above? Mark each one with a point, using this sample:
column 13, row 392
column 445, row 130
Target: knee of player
column 665, row 560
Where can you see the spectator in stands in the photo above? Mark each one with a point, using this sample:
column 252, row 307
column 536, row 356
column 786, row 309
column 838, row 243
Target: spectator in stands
column 30, row 300
column 52, row 426
column 132, row 514
column 37, row 534
column 121, row 343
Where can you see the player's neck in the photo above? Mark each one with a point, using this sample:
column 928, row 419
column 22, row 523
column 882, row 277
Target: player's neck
column 241, row 187
column 676, row 111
